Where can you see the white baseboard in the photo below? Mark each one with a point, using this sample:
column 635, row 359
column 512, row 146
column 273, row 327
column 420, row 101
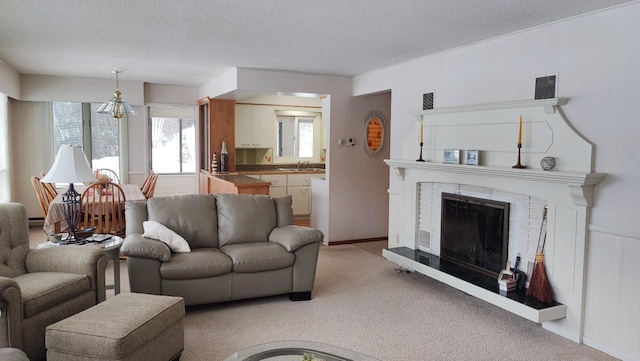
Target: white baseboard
column 608, row 350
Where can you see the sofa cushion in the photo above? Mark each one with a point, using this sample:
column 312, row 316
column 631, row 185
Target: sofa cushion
column 200, row 263
column 284, row 211
column 244, row 218
column 192, row 216
column 135, row 212
column 155, row 230
column 43, row 290
column 258, row 257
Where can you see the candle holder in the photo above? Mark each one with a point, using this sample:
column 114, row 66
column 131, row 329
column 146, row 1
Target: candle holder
column 518, row 165
column 420, row 159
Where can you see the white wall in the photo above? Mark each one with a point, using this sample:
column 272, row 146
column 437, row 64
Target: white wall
column 46, row 88
column 596, row 59
column 9, row 81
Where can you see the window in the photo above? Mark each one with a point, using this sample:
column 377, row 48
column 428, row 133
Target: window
column 98, row 135
column 173, row 140
column 295, row 137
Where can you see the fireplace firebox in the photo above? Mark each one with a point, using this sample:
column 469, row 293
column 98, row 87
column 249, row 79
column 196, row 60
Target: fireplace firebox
column 475, row 232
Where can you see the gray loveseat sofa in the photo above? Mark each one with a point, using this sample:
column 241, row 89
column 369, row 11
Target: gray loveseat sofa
column 242, row 246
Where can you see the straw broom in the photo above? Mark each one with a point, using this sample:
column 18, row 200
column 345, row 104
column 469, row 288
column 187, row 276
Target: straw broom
column 539, row 285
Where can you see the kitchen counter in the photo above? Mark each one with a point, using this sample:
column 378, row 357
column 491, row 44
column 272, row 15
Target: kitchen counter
column 275, row 171
column 213, row 183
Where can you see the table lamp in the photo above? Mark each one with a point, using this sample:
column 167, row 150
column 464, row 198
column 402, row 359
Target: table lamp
column 70, row 166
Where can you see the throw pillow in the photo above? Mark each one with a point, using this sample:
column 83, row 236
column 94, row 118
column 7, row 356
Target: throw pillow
column 155, row 230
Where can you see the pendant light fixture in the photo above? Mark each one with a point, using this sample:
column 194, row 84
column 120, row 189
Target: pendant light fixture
column 116, row 107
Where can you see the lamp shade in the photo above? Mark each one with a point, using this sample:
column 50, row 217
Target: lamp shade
column 70, row 166
column 116, row 107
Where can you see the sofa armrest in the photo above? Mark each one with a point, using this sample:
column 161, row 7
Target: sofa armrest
column 10, row 313
column 294, row 237
column 84, row 260
column 135, row 245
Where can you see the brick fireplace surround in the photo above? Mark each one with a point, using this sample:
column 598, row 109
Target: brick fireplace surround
column 567, row 191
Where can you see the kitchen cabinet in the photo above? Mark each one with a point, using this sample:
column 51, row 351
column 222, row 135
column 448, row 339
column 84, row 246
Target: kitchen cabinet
column 255, row 126
column 278, row 184
column 243, row 126
column 299, row 188
column 300, row 199
column 231, row 183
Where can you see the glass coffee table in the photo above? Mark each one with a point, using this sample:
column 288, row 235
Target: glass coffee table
column 111, row 247
column 297, row 351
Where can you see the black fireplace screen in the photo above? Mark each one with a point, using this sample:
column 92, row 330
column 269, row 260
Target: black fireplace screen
column 475, row 232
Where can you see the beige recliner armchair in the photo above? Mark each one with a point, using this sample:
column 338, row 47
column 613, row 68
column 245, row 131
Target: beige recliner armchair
column 39, row 287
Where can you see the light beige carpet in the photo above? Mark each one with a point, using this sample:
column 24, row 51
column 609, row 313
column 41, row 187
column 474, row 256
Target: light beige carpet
column 361, row 303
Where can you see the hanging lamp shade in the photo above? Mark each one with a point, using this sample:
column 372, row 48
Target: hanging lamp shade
column 116, row 107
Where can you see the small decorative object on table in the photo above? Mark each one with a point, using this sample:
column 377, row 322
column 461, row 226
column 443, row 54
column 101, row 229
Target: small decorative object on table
column 224, row 158
column 451, row 156
column 85, row 233
column 214, row 164
column 103, row 178
column 548, row 163
column 55, row 238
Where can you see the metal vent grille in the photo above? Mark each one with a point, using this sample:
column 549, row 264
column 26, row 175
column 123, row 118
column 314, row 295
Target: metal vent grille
column 424, row 243
column 545, row 87
column 427, row 101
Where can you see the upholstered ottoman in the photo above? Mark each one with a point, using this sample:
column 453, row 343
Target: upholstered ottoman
column 130, row 326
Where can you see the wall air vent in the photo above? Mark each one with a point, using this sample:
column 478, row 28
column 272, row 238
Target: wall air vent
column 545, row 87
column 427, row 101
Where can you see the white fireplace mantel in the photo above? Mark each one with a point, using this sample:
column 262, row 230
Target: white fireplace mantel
column 581, row 185
column 549, row 106
column 567, row 191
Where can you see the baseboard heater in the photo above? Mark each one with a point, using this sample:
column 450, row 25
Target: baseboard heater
column 36, row 222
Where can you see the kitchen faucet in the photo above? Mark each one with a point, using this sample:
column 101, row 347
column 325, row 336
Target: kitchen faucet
column 305, row 163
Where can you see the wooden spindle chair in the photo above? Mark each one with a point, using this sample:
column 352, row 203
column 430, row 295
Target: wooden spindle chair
column 41, row 194
column 102, row 208
column 149, row 185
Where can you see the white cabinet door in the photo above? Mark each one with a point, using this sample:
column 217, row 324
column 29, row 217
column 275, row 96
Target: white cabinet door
column 298, row 186
column 276, row 192
column 263, row 127
column 277, row 180
column 301, row 197
column 243, row 126
column 302, row 179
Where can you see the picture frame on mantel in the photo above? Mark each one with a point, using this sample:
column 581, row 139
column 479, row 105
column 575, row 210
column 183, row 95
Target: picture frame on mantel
column 471, row 157
column 451, row 156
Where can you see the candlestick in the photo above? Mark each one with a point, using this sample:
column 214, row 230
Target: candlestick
column 518, row 165
column 420, row 158
column 520, row 132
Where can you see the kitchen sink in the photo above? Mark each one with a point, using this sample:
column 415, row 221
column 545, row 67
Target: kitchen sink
column 302, row 169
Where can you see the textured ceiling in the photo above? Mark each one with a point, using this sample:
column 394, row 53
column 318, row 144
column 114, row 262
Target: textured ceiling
column 190, row 42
